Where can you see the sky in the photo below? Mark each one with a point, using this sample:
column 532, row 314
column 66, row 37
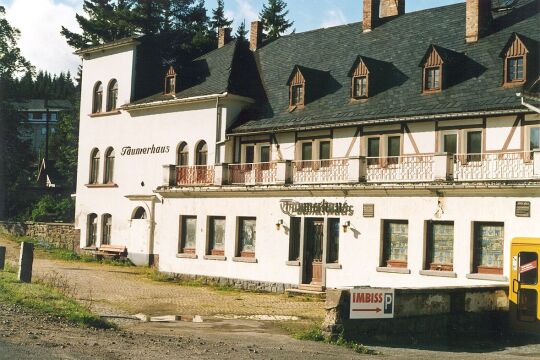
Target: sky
column 40, row 22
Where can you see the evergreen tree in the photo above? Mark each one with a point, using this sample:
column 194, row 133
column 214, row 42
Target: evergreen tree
column 274, row 19
column 218, row 19
column 105, row 21
column 241, row 33
column 12, row 62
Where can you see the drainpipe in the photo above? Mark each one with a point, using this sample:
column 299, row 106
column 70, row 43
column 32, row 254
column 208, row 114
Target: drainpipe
column 527, row 105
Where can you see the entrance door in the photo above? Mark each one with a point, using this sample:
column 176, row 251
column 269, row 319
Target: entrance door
column 313, row 251
column 524, row 289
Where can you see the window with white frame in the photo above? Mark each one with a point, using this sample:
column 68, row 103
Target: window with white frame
column 534, row 138
column 91, row 230
column 188, row 234
column 449, row 140
column 246, row 241
column 316, row 152
column 106, row 229
column 256, row 153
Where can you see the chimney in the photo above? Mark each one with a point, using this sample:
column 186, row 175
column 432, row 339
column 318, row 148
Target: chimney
column 224, row 37
column 392, row 8
column 256, row 35
column 478, row 19
column 371, row 15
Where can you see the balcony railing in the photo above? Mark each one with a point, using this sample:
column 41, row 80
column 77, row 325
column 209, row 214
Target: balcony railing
column 320, row 171
column 494, row 166
column 252, row 174
column 415, row 168
column 195, row 175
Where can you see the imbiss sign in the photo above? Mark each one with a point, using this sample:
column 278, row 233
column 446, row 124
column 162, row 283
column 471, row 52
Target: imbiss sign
column 372, row 303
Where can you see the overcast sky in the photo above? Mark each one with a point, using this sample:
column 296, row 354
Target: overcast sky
column 40, row 22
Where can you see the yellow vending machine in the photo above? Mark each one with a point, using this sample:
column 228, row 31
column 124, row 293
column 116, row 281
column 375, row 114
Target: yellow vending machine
column 524, row 286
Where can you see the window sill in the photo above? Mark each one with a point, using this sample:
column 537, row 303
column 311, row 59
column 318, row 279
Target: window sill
column 293, row 263
column 186, row 256
column 393, row 270
column 101, row 186
column 245, row 259
column 448, row 274
column 334, row 266
column 101, row 114
column 215, row 257
column 491, row 277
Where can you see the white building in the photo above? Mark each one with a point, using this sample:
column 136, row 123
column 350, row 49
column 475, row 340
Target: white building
column 392, row 152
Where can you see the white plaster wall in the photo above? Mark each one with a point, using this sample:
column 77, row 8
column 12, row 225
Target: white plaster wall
column 497, row 132
column 342, row 141
column 359, row 246
column 286, row 145
column 423, row 134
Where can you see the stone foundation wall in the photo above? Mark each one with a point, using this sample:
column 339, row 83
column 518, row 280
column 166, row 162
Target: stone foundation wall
column 59, row 235
column 422, row 315
column 237, row 283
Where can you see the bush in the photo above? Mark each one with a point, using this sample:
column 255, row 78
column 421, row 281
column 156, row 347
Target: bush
column 53, row 208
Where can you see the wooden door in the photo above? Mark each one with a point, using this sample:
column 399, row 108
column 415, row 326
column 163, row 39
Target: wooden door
column 313, row 251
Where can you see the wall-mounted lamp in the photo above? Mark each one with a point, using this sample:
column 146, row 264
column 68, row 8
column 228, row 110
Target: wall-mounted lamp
column 346, row 225
column 279, row 223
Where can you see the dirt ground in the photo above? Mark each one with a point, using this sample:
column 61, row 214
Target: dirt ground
column 119, row 292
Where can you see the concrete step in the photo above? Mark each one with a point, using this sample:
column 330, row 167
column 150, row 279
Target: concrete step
column 311, row 287
column 299, row 292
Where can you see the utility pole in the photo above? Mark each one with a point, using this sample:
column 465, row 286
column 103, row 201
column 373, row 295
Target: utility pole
column 47, row 116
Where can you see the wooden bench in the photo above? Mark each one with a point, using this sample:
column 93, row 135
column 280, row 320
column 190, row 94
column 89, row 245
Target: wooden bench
column 111, row 251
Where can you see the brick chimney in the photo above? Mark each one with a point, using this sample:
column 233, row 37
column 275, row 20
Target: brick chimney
column 255, row 38
column 224, row 36
column 375, row 10
column 392, row 8
column 478, row 19
column 371, row 14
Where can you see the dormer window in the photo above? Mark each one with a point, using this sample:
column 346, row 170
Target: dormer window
column 432, row 78
column 514, row 72
column 297, row 95
column 433, row 67
column 360, row 87
column 297, row 88
column 361, row 75
column 170, row 82
column 516, row 55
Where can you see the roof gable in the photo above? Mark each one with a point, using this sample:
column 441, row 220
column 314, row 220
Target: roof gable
column 516, row 45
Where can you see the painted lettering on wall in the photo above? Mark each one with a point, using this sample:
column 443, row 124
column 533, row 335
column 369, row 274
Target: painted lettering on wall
column 292, row 208
column 128, row 150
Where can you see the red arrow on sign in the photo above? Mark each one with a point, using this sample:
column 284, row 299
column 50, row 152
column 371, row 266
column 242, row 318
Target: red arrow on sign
column 377, row 310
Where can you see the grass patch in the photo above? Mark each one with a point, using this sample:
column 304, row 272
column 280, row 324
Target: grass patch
column 314, row 333
column 50, row 251
column 47, row 300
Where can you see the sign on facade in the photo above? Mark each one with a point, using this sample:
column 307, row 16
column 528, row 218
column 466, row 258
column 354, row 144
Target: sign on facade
column 292, row 208
column 372, row 303
column 369, row 210
column 523, row 208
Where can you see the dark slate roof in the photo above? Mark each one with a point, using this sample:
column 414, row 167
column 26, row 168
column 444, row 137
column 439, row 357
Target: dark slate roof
column 216, row 72
column 39, row 105
column 474, row 82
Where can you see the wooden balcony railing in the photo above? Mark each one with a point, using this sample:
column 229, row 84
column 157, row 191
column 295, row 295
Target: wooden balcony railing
column 195, row 175
column 320, row 171
column 400, row 168
column 252, row 174
column 515, row 165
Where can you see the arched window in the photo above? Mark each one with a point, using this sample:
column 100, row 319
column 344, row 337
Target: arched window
column 201, row 157
column 106, row 230
column 182, row 156
column 91, row 233
column 97, row 100
column 139, row 214
column 94, row 166
column 112, row 95
column 109, row 166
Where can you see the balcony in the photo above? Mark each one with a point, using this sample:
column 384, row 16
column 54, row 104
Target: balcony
column 331, row 171
column 199, row 175
column 416, row 168
column 499, row 166
column 253, row 174
column 495, row 166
